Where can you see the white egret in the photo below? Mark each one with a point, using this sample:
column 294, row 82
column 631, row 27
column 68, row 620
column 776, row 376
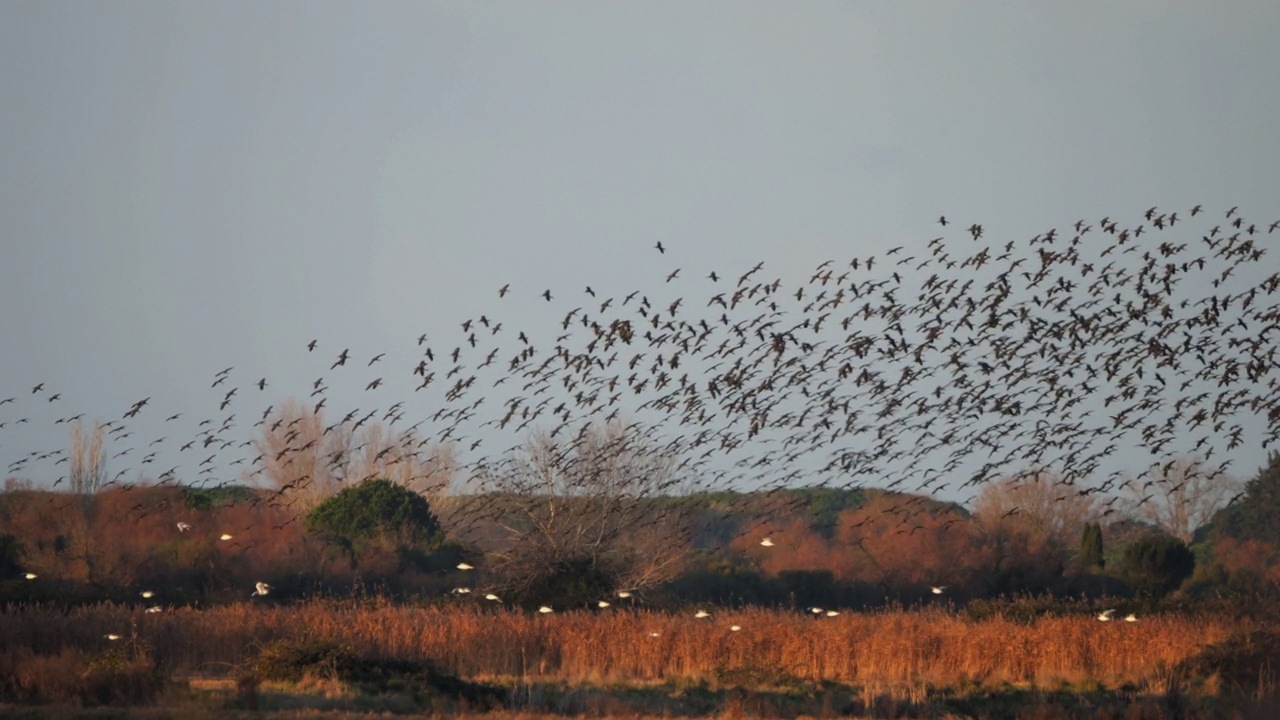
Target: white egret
column 832, row 613
column 624, row 594
column 155, row 609
column 735, row 628
column 1131, row 618
column 545, row 609
column 183, row 527
column 1105, row 615
column 766, row 542
column 224, row 536
column 111, row 636
column 702, row 614
column 653, row 634
column 464, row 566
column 815, row 610
column 602, row 604
column 147, row 594
column 938, row 589
column 31, row 576
column 261, row 589
column 461, row 590
column 491, row 596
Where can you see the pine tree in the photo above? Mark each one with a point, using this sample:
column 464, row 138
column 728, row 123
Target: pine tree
column 1091, row 546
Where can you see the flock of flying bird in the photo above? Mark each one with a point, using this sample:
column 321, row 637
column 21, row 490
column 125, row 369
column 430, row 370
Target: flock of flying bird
column 932, row 368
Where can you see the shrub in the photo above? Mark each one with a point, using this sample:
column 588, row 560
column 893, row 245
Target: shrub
column 1155, row 565
column 372, row 511
column 1242, row 663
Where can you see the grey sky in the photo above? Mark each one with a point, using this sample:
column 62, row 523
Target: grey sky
column 188, row 186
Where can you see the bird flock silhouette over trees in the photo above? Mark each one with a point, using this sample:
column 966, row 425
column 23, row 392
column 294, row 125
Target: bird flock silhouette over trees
column 932, row 368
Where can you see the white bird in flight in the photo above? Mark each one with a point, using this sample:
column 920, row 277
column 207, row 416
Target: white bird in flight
column 602, row 604
column 464, row 566
column 766, row 542
column 183, row 527
column 31, row 576
column 491, row 596
column 1131, row 618
column 1105, row 615
column 624, row 594
column 261, row 589
column 111, row 636
column 832, row 613
column 461, row 590
column 147, row 594
column 224, row 536
column 815, row 610
column 702, row 614
column 155, row 609
column 735, row 628
column 545, row 609
column 937, row 589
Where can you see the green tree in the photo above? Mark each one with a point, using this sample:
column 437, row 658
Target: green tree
column 1155, row 565
column 1091, row 546
column 1253, row 517
column 376, row 512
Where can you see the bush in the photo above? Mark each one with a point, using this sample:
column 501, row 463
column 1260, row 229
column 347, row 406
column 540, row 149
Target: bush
column 1155, row 565
column 294, row 660
column 1242, row 663
column 111, row 678
column 376, row 510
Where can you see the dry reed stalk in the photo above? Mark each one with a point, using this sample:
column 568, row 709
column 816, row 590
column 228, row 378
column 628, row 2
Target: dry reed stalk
column 889, row 648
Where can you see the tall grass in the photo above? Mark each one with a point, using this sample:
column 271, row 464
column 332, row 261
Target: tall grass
column 934, row 647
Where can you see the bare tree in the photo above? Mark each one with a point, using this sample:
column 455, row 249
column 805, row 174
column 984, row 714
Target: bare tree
column 88, row 462
column 1040, row 503
column 308, row 461
column 1180, row 496
column 297, row 455
column 588, row 513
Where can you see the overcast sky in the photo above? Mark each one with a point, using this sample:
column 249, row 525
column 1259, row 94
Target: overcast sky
column 189, row 186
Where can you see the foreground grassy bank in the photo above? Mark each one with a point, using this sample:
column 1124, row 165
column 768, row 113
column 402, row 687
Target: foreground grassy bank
column 351, row 657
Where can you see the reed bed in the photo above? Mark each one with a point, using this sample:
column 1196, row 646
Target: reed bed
column 899, row 647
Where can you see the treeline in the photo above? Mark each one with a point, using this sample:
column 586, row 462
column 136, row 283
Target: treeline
column 801, row 547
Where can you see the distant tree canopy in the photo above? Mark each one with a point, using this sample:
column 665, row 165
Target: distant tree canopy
column 1254, row 516
column 1155, row 565
column 376, row 510
column 217, row 497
